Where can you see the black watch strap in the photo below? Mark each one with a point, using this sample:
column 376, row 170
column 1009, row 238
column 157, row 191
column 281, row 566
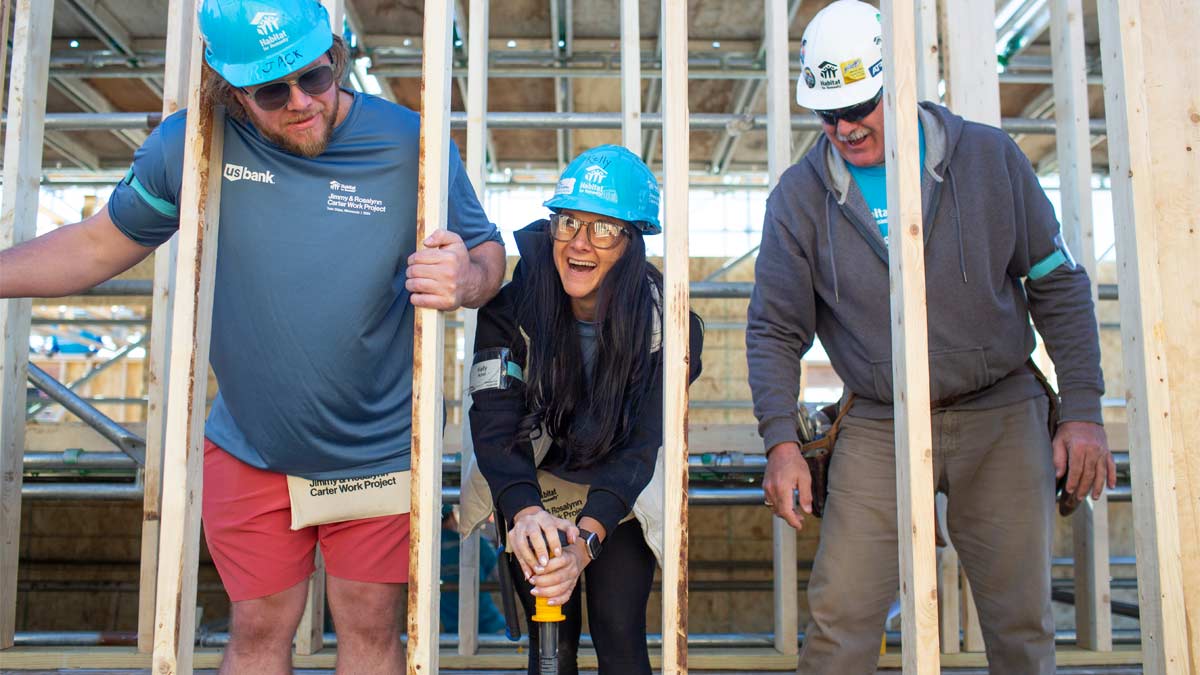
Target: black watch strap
column 591, row 542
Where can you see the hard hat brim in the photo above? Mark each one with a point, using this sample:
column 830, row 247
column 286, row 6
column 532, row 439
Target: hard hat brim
column 591, row 204
column 278, row 64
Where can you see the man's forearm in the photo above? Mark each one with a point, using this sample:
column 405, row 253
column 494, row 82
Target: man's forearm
column 68, row 260
column 46, row 267
column 485, row 274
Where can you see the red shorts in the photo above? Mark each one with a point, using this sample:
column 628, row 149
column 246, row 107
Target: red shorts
column 247, row 524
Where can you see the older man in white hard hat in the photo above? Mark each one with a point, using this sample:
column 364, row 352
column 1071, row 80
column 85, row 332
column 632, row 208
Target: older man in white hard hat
column 994, row 258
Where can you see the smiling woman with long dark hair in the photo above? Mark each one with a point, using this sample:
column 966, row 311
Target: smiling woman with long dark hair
column 567, row 411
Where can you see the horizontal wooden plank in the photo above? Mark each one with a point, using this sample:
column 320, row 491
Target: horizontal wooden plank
column 742, row 659
column 702, row 438
column 58, row 437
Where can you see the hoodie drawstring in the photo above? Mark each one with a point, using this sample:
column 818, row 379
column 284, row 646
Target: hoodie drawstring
column 962, row 259
column 832, row 249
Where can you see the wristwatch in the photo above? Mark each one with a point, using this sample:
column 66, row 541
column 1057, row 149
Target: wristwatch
column 591, row 541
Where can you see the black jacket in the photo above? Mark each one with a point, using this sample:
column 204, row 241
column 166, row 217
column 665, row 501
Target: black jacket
column 617, row 480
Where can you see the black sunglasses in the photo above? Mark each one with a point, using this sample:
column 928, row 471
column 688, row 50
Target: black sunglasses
column 851, row 113
column 273, row 96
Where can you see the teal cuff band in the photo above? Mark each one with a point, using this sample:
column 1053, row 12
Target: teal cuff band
column 1047, row 265
column 164, row 207
column 514, row 371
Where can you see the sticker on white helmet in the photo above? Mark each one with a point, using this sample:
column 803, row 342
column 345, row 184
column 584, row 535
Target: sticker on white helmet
column 809, row 79
column 803, row 44
column 852, row 71
column 830, row 79
column 876, row 68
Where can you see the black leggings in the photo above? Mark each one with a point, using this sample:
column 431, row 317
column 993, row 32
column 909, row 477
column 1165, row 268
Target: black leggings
column 618, row 588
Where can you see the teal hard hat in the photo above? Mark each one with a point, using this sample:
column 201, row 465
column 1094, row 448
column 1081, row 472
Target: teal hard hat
column 611, row 181
column 249, row 42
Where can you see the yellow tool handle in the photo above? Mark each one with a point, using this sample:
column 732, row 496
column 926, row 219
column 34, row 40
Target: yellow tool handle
column 543, row 612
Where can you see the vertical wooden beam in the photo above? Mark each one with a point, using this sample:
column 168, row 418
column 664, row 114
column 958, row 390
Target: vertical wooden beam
column 183, row 458
column 424, row 598
column 1153, row 128
column 779, row 153
column 1173, row 104
column 18, row 223
column 477, row 138
column 631, row 77
column 5, row 19
column 972, row 633
column 675, row 335
column 947, row 585
column 928, row 74
column 910, row 345
column 972, row 82
column 310, row 634
column 1093, row 610
column 180, row 16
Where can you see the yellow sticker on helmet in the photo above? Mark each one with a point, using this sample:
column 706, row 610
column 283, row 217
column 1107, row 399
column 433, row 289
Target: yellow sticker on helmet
column 852, row 71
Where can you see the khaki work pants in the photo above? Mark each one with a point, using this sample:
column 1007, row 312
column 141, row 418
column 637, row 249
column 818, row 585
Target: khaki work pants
column 996, row 468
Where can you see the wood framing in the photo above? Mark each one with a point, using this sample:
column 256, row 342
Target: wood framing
column 910, row 345
column 191, row 323
column 477, row 138
column 5, row 19
column 949, row 598
column 631, row 77
column 424, row 597
column 972, row 632
column 675, row 337
column 18, row 223
column 928, row 73
column 180, row 17
column 1138, row 176
column 1093, row 607
column 1173, row 98
column 779, row 153
column 310, row 634
column 972, row 83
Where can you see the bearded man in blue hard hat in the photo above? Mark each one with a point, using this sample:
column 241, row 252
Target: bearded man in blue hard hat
column 994, row 259
column 317, row 277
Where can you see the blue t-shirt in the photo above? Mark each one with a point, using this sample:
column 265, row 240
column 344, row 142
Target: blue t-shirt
column 872, row 182
column 312, row 325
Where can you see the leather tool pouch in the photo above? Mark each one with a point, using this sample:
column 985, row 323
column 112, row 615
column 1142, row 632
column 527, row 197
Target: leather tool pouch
column 819, row 451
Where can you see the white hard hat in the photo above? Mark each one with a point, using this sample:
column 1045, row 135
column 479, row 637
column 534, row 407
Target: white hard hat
column 841, row 57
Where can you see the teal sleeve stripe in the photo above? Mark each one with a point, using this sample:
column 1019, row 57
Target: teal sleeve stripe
column 514, row 371
column 1047, row 265
column 164, row 207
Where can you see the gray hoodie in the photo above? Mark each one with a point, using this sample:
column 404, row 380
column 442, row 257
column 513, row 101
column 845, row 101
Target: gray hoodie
column 822, row 271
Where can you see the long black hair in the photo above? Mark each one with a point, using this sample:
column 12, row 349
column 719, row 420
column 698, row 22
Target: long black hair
column 588, row 422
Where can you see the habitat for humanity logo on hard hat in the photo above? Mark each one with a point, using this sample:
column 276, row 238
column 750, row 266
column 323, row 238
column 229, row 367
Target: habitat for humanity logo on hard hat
column 594, row 177
column 267, row 24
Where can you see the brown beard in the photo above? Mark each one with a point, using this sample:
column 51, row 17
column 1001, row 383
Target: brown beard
column 312, row 148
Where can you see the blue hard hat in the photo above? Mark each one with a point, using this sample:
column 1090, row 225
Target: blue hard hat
column 611, row 181
column 249, row 42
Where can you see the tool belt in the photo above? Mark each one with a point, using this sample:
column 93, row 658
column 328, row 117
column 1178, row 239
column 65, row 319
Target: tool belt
column 818, row 452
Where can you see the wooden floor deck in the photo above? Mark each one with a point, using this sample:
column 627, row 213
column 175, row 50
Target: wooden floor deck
column 126, row 659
